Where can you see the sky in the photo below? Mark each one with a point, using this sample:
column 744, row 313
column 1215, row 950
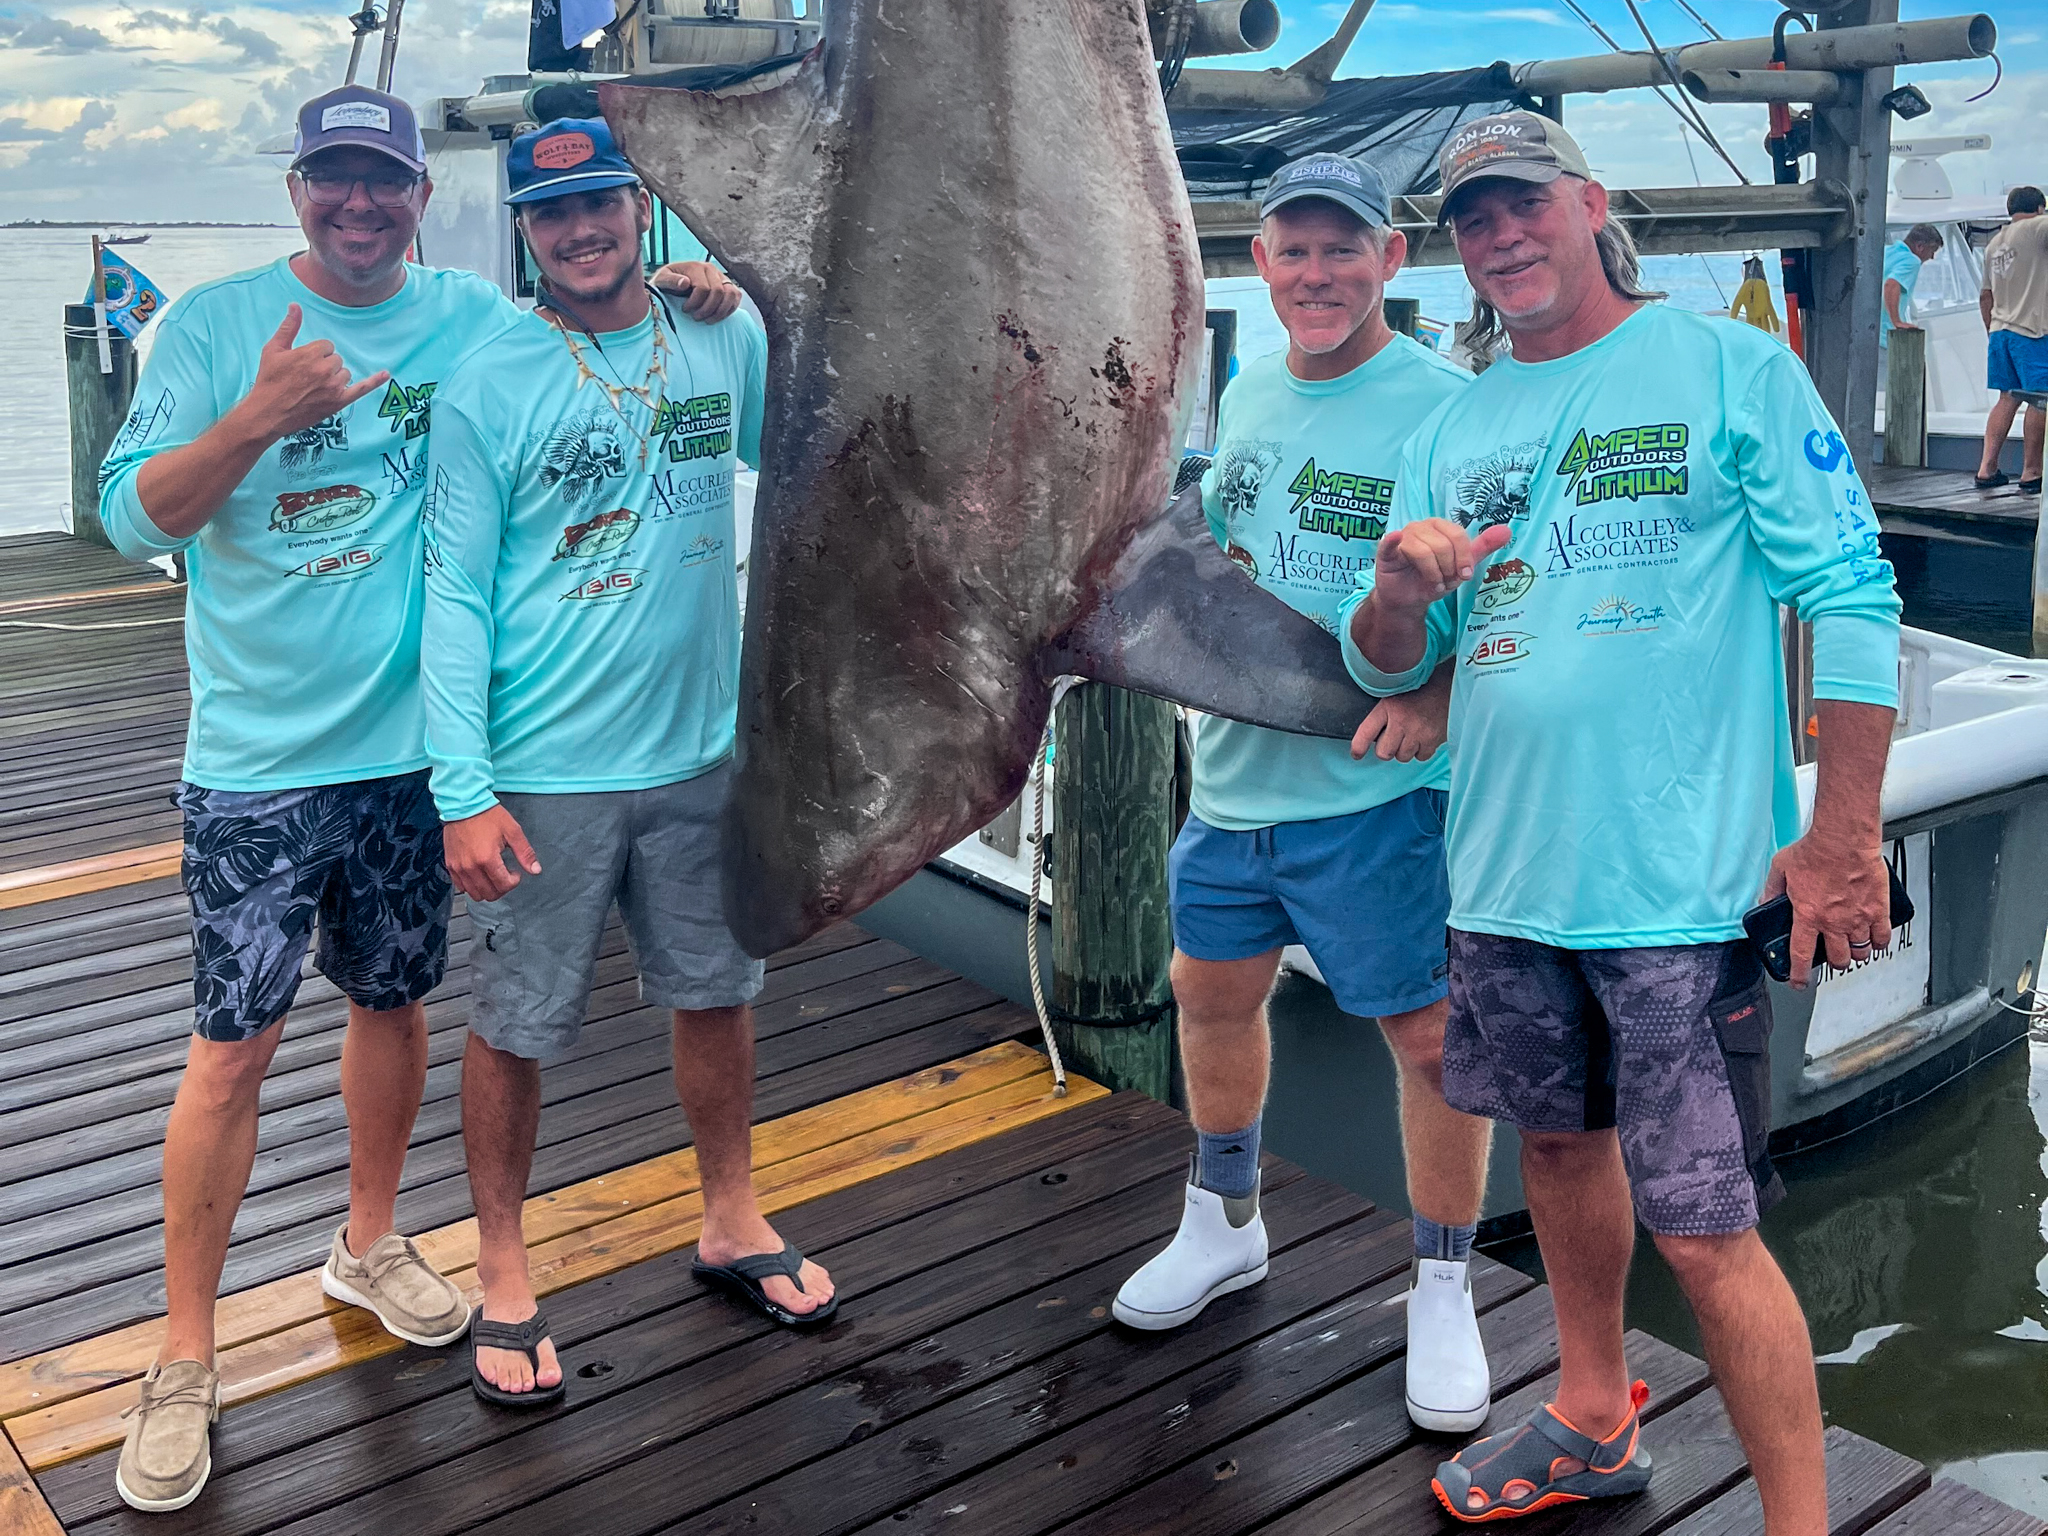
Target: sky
column 125, row 112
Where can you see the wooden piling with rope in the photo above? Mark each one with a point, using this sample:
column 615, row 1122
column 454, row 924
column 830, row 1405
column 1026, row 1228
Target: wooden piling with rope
column 99, row 400
column 1112, row 937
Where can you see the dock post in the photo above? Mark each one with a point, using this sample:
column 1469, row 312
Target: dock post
column 1905, row 399
column 1112, row 939
column 99, row 404
column 2040, row 590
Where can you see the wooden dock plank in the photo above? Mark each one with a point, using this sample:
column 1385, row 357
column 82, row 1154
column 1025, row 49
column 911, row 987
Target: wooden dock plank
column 1947, row 494
column 23, row 1509
column 1950, row 1509
column 1866, row 1482
column 1139, row 1460
column 1009, row 1182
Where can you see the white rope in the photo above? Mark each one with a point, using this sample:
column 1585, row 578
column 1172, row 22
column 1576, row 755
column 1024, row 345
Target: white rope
column 1038, row 761
column 81, row 628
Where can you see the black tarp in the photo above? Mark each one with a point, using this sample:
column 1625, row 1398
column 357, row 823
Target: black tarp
column 1397, row 123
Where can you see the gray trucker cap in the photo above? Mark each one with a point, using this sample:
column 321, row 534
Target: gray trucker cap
column 1349, row 183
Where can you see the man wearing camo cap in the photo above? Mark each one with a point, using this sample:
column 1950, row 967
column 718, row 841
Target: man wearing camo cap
column 1598, row 534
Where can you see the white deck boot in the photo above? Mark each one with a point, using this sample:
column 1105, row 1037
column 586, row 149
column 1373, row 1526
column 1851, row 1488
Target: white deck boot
column 1220, row 1248
column 1448, row 1381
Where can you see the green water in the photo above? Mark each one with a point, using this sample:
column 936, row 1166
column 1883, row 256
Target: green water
column 1917, row 1247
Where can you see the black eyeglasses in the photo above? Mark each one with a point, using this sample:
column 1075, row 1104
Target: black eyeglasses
column 387, row 189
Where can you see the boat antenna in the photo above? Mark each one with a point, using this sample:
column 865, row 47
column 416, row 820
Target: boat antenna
column 363, row 23
column 390, row 55
column 1686, row 111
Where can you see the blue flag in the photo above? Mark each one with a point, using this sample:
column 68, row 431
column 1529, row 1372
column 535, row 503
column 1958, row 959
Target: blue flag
column 131, row 298
column 580, row 18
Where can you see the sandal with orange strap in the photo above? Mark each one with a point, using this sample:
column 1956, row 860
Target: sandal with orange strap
column 1542, row 1464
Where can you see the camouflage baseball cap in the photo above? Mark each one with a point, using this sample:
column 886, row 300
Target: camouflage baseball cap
column 1519, row 146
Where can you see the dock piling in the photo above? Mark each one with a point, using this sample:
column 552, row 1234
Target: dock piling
column 1905, row 399
column 99, row 404
column 1112, row 939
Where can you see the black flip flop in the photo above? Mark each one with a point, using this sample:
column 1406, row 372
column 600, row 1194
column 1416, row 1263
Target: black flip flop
column 2030, row 487
column 741, row 1279
column 524, row 1337
column 1990, row 482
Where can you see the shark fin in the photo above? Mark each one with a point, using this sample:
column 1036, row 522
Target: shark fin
column 1182, row 622
column 739, row 166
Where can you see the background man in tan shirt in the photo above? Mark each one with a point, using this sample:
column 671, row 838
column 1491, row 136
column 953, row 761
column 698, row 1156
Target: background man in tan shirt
column 2015, row 307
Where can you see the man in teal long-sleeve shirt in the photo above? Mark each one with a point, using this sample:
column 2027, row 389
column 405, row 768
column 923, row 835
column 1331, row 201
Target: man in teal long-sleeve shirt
column 1600, row 532
column 581, row 666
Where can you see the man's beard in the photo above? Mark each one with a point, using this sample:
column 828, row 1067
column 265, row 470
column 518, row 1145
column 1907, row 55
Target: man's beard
column 600, row 296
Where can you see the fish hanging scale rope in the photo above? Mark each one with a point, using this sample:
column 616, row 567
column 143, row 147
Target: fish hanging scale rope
column 1038, row 763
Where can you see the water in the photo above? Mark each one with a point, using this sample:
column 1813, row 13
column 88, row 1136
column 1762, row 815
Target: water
column 52, row 268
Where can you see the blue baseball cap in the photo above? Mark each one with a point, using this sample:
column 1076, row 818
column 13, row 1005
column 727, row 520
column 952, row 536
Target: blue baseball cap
column 571, row 154
column 355, row 114
column 1351, row 184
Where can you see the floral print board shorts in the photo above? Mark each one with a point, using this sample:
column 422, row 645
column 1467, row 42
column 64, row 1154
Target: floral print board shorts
column 364, row 858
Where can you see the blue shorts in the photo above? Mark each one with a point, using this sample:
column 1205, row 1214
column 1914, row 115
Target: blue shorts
column 2018, row 364
column 1367, row 894
column 363, row 858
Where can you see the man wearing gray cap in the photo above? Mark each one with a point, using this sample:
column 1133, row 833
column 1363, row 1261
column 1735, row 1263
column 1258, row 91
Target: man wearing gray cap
column 1291, row 839
column 279, row 441
column 1598, row 534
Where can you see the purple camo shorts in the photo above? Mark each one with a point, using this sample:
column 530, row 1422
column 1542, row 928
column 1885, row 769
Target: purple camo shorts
column 1670, row 1047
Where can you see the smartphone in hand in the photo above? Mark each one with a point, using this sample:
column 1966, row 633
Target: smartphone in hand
column 1769, row 927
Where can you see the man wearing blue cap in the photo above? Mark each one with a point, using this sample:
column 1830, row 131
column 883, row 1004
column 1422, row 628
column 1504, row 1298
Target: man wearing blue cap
column 280, row 442
column 1296, row 840
column 582, row 594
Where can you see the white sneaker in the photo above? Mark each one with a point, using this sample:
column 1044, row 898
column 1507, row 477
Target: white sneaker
column 1448, row 1382
column 1220, row 1248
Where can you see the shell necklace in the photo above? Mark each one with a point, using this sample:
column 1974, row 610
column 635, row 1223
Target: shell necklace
column 648, row 391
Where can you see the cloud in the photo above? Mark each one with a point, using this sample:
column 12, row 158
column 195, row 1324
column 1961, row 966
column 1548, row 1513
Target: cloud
column 25, row 28
column 258, row 48
column 1540, row 17
column 50, row 115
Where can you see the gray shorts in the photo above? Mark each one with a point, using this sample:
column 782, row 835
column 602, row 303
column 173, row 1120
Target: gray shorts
column 652, row 851
column 1668, row 1046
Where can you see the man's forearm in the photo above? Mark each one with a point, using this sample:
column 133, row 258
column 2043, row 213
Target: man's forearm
column 1984, row 306
column 1392, row 639
column 1892, row 293
column 182, row 488
column 1854, row 741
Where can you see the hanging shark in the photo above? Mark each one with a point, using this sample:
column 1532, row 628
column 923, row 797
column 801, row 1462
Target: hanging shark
column 967, row 232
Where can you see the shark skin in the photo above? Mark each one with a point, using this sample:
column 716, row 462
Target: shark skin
column 968, row 234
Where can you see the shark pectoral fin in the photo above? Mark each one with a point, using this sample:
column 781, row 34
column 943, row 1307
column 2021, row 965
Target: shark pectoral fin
column 1179, row 620
column 740, row 167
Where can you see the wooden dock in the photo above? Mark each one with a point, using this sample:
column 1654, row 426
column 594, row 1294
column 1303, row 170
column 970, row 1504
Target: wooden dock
column 906, row 1136
column 1946, row 504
